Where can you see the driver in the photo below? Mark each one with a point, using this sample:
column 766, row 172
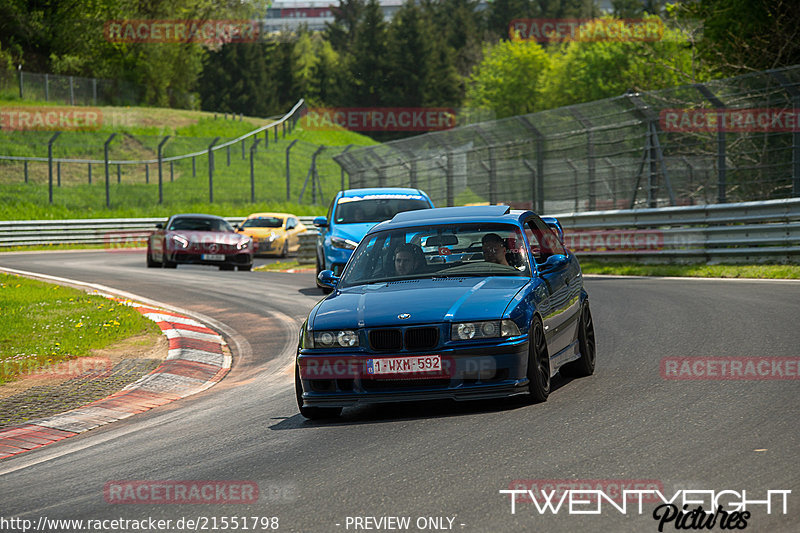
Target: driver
column 494, row 249
column 408, row 259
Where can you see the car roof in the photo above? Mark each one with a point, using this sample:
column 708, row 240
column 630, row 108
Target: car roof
column 455, row 215
column 381, row 191
column 265, row 215
column 196, row 215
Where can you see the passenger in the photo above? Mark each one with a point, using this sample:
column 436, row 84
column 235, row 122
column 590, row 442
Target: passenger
column 494, row 249
column 408, row 259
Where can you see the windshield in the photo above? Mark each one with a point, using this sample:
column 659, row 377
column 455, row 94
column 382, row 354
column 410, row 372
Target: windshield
column 199, row 224
column 265, row 222
column 438, row 251
column 375, row 208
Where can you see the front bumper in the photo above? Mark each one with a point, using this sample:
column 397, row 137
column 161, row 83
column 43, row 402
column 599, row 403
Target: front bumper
column 189, row 258
column 472, row 373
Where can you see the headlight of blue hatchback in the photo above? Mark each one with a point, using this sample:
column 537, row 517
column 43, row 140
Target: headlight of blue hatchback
column 347, row 244
column 488, row 329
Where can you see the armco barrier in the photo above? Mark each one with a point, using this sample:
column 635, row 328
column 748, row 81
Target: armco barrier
column 753, row 232
column 112, row 232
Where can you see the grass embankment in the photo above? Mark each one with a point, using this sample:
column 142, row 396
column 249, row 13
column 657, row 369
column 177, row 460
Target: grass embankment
column 700, row 271
column 134, row 193
column 44, row 324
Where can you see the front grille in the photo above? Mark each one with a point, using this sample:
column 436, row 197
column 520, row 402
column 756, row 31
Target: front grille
column 376, row 385
column 386, row 339
column 422, row 338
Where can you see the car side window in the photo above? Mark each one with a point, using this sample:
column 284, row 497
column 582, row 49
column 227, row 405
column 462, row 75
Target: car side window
column 290, row 223
column 543, row 240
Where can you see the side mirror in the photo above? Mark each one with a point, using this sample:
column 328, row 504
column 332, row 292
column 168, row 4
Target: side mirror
column 236, row 227
column 554, row 262
column 159, row 226
column 327, row 278
column 321, row 222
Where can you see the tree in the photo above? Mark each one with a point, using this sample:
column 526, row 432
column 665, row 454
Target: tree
column 746, row 35
column 409, row 57
column 509, row 79
column 582, row 71
column 368, row 66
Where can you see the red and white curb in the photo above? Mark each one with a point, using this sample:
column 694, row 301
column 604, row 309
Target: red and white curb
column 197, row 359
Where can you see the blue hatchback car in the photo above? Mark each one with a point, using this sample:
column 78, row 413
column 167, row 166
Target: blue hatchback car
column 351, row 214
column 457, row 302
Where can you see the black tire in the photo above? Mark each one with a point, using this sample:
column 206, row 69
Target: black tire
column 150, row 262
column 285, row 250
column 325, row 290
column 538, row 364
column 166, row 263
column 227, row 267
column 588, row 346
column 312, row 413
column 246, row 268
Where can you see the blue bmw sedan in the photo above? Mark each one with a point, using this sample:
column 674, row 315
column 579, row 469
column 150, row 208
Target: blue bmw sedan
column 457, row 302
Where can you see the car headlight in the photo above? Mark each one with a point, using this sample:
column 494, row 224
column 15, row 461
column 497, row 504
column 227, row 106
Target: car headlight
column 487, row 329
column 336, row 339
column 347, row 244
column 241, row 245
column 180, row 241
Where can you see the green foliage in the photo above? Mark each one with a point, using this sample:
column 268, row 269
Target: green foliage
column 741, row 36
column 580, row 69
column 509, row 80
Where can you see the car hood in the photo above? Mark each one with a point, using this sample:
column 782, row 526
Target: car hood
column 202, row 237
column 353, row 232
column 426, row 300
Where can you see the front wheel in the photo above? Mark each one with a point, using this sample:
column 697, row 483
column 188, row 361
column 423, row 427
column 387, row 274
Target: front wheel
column 166, row 263
column 538, row 364
column 151, row 263
column 285, row 250
column 588, row 346
column 312, row 413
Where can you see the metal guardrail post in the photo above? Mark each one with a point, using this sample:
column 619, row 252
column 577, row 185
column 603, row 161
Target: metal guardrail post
column 105, row 160
column 46, row 87
column 194, row 166
column 119, row 173
column 71, row 92
column 574, row 181
column 49, row 159
column 228, row 149
column 160, row 169
column 19, row 70
column 341, row 168
column 171, row 171
column 266, row 138
column 58, row 174
column 721, row 164
column 90, row 173
column 795, row 94
column 491, row 169
column 283, row 125
column 146, row 174
column 537, row 189
column 211, row 171
column 587, row 125
column 252, row 170
column 26, row 171
column 242, row 148
column 288, row 183
column 275, row 129
column 94, row 91
column 315, row 176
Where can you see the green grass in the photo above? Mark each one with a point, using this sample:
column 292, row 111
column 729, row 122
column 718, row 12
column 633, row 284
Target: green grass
column 44, row 324
column 134, row 192
column 700, row 271
column 283, row 265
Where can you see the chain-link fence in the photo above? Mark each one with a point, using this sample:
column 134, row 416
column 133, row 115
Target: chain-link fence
column 93, row 169
column 74, row 90
column 729, row 140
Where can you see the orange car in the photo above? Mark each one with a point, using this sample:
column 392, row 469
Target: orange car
column 273, row 233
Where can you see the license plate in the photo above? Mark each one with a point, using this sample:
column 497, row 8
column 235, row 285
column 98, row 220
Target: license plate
column 420, row 364
column 213, row 257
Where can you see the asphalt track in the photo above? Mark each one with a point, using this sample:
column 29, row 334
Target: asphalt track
column 438, row 459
